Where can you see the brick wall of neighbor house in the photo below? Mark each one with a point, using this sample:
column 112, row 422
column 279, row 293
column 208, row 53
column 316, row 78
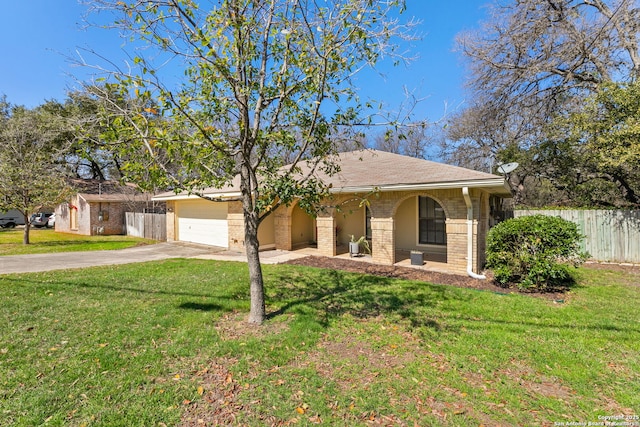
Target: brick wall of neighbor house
column 107, row 218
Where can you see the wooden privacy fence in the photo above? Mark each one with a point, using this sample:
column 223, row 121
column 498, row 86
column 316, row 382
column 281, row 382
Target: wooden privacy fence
column 147, row 225
column 611, row 235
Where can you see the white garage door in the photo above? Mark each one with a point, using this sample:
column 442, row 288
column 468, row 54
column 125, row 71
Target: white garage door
column 202, row 221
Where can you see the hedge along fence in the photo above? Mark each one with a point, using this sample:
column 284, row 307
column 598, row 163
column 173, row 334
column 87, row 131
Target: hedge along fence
column 611, row 235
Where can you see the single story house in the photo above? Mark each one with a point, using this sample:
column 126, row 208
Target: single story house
column 98, row 207
column 441, row 210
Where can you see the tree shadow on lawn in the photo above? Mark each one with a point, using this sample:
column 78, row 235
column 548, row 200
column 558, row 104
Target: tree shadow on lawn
column 334, row 293
column 196, row 306
column 141, row 290
column 528, row 326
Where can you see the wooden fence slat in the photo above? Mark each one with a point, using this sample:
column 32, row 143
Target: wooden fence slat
column 147, row 225
column 611, row 235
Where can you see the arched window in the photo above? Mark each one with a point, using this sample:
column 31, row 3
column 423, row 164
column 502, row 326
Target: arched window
column 431, row 222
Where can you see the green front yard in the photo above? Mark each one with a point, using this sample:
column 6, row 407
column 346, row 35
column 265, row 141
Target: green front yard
column 46, row 240
column 153, row 344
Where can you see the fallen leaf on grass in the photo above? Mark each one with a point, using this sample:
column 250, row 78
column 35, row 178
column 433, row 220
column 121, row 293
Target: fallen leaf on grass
column 315, row 419
column 300, row 410
column 200, row 390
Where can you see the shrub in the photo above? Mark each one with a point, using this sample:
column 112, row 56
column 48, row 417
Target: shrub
column 534, row 252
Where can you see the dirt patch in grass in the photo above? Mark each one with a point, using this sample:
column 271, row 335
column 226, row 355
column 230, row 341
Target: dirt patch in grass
column 535, row 382
column 219, row 404
column 355, row 355
column 408, row 273
column 234, row 325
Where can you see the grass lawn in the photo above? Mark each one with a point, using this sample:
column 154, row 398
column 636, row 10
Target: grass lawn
column 165, row 343
column 46, row 240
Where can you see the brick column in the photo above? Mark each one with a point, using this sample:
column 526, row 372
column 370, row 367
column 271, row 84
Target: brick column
column 171, row 221
column 282, row 226
column 457, row 244
column 383, row 240
column 235, row 225
column 326, row 230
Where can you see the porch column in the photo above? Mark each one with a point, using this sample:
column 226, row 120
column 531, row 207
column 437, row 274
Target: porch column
column 282, row 225
column 171, row 221
column 235, row 225
column 326, row 229
column 383, row 240
column 457, row 245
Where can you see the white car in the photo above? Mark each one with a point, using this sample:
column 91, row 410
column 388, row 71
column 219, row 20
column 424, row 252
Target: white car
column 51, row 222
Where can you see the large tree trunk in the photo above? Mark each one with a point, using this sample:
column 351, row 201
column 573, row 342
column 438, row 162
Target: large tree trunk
column 257, row 313
column 25, row 234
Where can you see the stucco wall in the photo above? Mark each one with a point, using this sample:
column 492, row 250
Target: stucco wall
column 302, row 227
column 266, row 232
column 350, row 220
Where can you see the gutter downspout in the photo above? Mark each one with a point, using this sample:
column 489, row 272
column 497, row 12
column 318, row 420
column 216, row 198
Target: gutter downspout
column 467, row 201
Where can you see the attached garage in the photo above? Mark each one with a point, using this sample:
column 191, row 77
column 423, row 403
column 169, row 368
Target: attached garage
column 203, row 221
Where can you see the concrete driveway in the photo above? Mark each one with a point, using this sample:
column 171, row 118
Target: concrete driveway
column 66, row 260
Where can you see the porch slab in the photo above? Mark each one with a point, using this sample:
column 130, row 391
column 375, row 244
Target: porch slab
column 433, row 262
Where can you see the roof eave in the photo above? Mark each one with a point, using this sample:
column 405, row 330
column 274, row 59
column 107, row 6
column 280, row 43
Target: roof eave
column 494, row 185
column 220, row 196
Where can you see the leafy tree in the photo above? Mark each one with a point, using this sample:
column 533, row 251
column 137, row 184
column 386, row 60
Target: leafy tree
column 89, row 157
column 32, row 173
column 263, row 81
column 533, row 61
column 592, row 156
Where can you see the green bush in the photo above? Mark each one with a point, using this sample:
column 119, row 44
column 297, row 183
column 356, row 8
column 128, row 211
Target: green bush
column 534, row 252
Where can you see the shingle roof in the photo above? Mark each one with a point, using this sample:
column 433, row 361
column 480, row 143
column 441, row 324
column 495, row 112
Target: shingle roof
column 364, row 170
column 93, row 190
column 378, row 168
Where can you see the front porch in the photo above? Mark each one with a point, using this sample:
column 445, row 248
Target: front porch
column 432, row 262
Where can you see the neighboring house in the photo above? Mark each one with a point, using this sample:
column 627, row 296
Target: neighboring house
column 441, row 210
column 98, row 207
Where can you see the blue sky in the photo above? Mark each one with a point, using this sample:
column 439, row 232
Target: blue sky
column 38, row 36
